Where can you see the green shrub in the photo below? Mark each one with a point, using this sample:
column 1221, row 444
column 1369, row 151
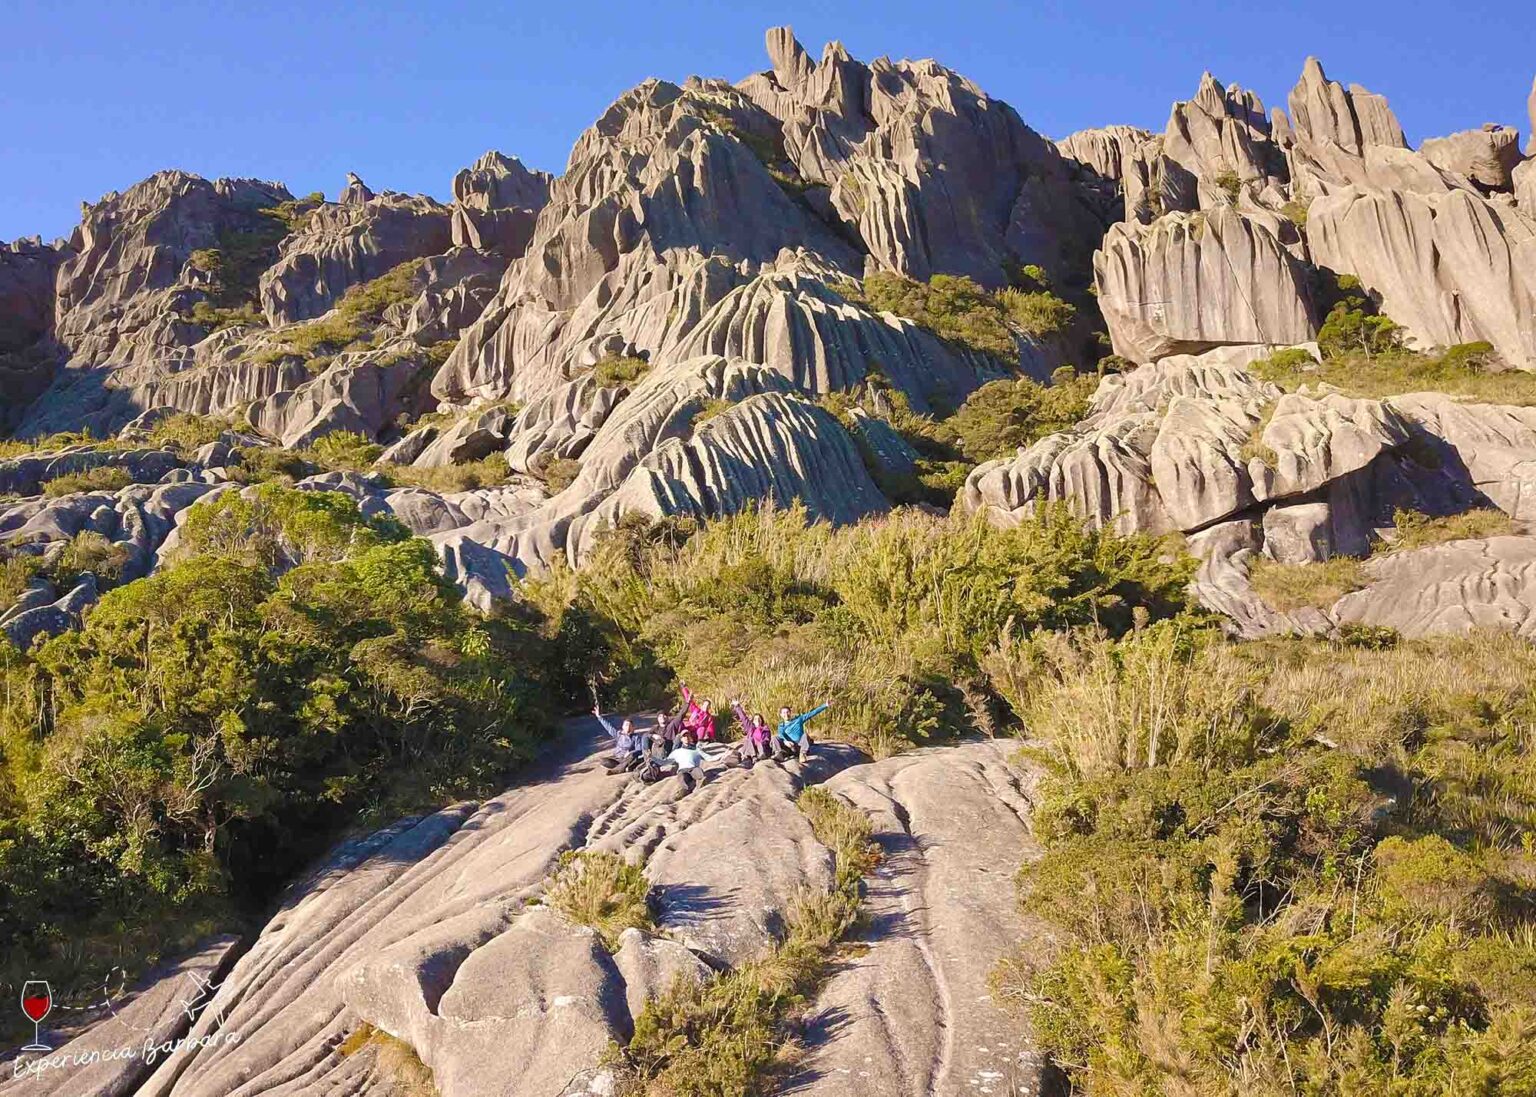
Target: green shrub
column 1002, row 416
column 1295, row 211
column 953, row 307
column 295, row 669
column 1256, row 910
column 88, row 551
column 101, row 478
column 878, row 618
column 1037, row 314
column 614, row 371
column 184, row 431
column 1230, row 184
column 560, row 474
column 344, row 450
column 351, row 323
column 488, row 472
column 1464, row 370
column 603, row 891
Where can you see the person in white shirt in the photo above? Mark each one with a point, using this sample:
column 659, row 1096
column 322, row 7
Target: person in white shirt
column 687, row 761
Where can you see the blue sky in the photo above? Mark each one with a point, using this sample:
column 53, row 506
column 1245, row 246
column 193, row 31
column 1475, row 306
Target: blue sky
column 95, row 96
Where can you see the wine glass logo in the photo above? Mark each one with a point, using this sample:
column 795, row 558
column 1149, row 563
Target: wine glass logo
column 36, row 1003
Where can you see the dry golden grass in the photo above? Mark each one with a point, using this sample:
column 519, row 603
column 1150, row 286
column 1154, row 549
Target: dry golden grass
column 1288, row 587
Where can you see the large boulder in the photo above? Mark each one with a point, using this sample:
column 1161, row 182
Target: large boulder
column 1192, row 282
column 1486, row 156
column 1451, row 267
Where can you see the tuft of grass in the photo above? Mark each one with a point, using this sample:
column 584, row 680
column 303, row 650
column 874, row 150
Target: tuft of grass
column 395, row 1060
column 1287, row 587
column 488, row 472
column 1415, row 530
column 616, row 370
column 101, row 478
column 1037, row 313
column 185, row 431
column 603, row 891
column 561, row 473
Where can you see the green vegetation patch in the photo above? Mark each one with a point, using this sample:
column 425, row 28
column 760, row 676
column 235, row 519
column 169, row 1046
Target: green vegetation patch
column 351, row 323
column 616, row 370
column 296, row 668
column 1288, row 587
column 1285, row 867
column 603, row 891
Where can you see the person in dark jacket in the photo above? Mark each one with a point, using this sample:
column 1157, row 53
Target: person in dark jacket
column 792, row 739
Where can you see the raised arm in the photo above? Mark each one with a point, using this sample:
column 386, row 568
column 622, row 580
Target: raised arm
column 817, row 711
column 741, row 718
column 613, row 732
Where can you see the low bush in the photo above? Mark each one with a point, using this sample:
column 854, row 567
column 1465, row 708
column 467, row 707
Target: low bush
column 880, row 618
column 294, row 669
column 614, row 371
column 488, row 472
column 351, row 323
column 1039, row 313
column 1318, row 882
column 953, row 307
column 109, row 478
column 603, row 891
column 1003, row 416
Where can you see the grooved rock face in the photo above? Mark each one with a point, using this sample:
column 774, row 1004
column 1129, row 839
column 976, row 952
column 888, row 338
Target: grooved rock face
column 911, row 1014
column 27, row 271
column 1452, row 268
column 1485, row 156
column 425, row 930
column 346, row 244
column 1322, row 110
column 496, row 202
column 119, row 295
column 877, row 135
column 1191, row 282
column 652, row 456
column 1457, row 587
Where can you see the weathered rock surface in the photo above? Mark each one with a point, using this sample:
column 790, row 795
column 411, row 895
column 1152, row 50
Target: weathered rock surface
column 1323, row 111
column 1191, row 282
column 913, row 1015
column 346, row 244
column 650, row 457
column 495, row 204
column 875, row 133
column 1486, row 156
column 1451, row 588
column 425, row 930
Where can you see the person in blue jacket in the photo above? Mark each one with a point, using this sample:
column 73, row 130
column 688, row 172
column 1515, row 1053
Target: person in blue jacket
column 792, row 738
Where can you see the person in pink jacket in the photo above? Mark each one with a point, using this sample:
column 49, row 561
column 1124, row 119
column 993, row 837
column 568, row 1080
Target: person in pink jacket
column 701, row 717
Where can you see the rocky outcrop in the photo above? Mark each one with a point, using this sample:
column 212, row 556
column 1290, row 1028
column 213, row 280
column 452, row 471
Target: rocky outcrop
column 1457, row 587
column 121, row 296
column 495, row 204
column 1451, row 267
column 426, row 930
column 28, row 357
column 1486, row 157
column 347, row 244
column 1353, row 120
column 877, row 134
column 651, row 457
column 1191, row 282
column 365, row 392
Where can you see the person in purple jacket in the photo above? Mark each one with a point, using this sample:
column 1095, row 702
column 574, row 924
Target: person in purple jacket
column 792, row 738
column 756, row 737
column 627, row 743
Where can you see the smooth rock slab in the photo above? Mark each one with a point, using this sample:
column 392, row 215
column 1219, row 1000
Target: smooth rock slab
column 1450, row 589
column 912, row 1016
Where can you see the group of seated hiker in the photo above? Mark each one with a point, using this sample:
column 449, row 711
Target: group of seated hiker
column 673, row 745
